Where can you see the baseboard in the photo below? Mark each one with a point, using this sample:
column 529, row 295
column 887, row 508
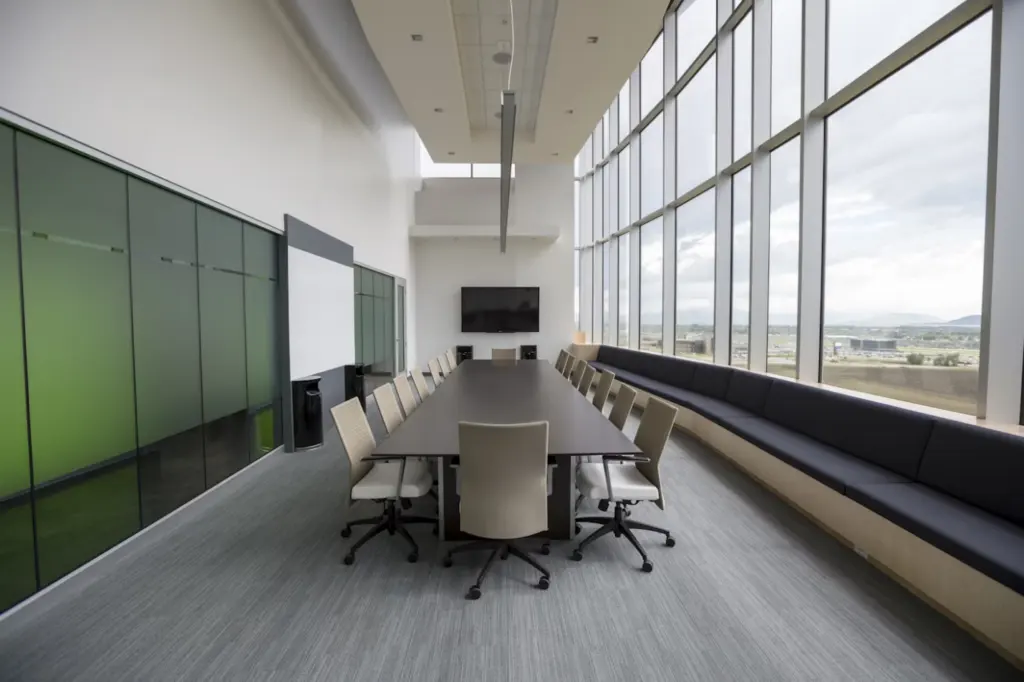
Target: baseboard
column 134, row 537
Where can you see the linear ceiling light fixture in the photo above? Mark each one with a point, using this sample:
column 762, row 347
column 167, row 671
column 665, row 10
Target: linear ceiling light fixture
column 508, row 133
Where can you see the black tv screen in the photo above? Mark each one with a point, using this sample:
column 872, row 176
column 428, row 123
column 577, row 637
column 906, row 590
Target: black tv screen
column 500, row 309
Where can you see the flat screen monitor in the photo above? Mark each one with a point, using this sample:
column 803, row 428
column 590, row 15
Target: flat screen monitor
column 500, row 309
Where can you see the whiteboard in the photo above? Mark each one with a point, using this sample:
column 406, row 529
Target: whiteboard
column 321, row 314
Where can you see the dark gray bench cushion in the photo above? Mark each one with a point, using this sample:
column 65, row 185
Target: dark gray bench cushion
column 834, row 468
column 979, row 539
column 662, row 367
column 711, row 380
column 890, row 437
column 978, row 466
column 749, row 391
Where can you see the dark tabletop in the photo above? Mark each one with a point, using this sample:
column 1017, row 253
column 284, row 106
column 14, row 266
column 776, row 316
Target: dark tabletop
column 505, row 392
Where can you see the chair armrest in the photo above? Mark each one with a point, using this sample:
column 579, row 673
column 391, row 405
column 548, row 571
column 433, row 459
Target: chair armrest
column 401, row 473
column 608, row 474
column 627, row 458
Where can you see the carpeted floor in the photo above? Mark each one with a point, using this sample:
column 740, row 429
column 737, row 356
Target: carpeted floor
column 247, row 584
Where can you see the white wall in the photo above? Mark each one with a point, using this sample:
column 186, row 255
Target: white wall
column 442, row 266
column 221, row 98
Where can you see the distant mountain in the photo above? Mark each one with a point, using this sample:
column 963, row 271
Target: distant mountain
column 898, row 320
column 965, row 321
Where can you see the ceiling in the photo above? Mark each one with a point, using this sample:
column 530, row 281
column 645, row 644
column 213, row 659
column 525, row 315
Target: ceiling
column 447, row 61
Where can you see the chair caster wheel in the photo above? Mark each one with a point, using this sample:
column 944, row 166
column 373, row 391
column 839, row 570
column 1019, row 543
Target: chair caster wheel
column 545, row 549
column 406, row 504
column 349, row 559
column 435, row 531
column 504, row 554
column 543, row 584
column 447, row 561
column 648, row 567
column 579, row 529
column 670, row 541
column 413, row 558
column 576, row 555
column 346, row 532
column 474, row 593
column 603, row 505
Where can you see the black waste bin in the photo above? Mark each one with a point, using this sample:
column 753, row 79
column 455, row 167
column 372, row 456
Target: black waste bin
column 463, row 353
column 307, row 413
column 355, row 383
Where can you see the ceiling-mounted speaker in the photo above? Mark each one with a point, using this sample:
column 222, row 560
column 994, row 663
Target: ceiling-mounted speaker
column 508, row 134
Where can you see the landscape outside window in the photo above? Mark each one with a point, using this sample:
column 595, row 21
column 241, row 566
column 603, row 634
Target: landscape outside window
column 904, row 214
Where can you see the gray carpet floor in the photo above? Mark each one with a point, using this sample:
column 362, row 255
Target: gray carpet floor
column 247, row 584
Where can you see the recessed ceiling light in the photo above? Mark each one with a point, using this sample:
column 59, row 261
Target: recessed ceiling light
column 451, row 153
column 568, row 111
column 591, row 40
column 417, row 37
column 497, row 114
column 438, row 110
column 502, row 58
column 554, row 153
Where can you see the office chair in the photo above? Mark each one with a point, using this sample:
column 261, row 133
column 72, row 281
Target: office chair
column 452, row 363
column 623, row 406
column 504, row 354
column 405, row 394
column 560, row 362
column 586, row 379
column 421, row 384
column 384, row 396
column 442, row 361
column 604, row 387
column 570, row 365
column 638, row 480
column 388, row 481
column 435, row 372
column 504, row 494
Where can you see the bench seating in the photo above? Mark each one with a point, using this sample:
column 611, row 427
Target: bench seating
column 958, row 487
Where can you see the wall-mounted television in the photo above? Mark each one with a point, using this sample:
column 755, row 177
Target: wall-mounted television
column 494, row 310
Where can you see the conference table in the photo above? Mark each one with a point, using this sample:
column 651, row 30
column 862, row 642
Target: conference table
column 507, row 392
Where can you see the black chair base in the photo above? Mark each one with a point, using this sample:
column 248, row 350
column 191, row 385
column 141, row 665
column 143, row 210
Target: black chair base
column 621, row 525
column 504, row 548
column 390, row 520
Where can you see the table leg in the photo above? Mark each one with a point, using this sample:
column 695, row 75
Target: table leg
column 448, row 501
column 562, row 503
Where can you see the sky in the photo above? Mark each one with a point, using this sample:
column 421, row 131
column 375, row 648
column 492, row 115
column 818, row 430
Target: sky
column 906, row 174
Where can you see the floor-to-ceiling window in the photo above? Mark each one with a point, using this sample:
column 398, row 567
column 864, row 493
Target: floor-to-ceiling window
column 138, row 364
column 898, row 163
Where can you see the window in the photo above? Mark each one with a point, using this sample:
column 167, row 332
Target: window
column 598, row 203
column 743, row 87
column 599, row 150
column 695, row 27
column 576, row 290
column 889, row 25
column 695, row 277
column 905, row 224
column 587, row 291
column 739, row 353
column 652, row 77
column 624, row 290
column 576, row 213
column 430, row 169
column 650, row 286
column 624, row 123
column 606, row 127
column 609, row 337
column 652, row 169
column 624, row 188
column 784, row 259
column 596, row 287
column 787, row 26
column 695, row 130
column 587, row 211
column 611, row 177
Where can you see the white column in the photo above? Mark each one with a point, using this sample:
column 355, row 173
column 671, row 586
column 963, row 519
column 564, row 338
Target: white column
column 812, row 194
column 723, row 194
column 1002, row 331
column 760, row 205
column 668, row 282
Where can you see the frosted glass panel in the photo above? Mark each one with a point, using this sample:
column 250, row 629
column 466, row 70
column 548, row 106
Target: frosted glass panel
column 261, row 350
column 222, row 318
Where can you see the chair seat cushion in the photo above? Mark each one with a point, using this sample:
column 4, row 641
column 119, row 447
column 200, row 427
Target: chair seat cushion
column 627, row 482
column 981, row 540
column 832, row 467
column 379, row 482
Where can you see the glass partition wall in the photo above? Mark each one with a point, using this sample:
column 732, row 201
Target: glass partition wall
column 825, row 196
column 138, row 357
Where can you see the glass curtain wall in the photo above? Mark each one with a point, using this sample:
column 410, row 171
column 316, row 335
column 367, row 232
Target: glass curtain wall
column 902, row 176
column 140, row 335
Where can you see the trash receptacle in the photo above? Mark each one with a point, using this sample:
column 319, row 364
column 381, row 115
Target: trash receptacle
column 355, row 383
column 307, row 413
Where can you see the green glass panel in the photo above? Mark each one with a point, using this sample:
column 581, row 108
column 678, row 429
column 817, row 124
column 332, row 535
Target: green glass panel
column 67, row 195
column 367, row 287
column 222, row 329
column 379, row 284
column 17, row 563
column 357, row 279
column 165, row 304
column 389, row 333
column 367, row 326
column 220, row 240
column 379, row 350
column 358, row 327
column 264, row 435
column 261, row 353
column 260, row 252
column 77, row 522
